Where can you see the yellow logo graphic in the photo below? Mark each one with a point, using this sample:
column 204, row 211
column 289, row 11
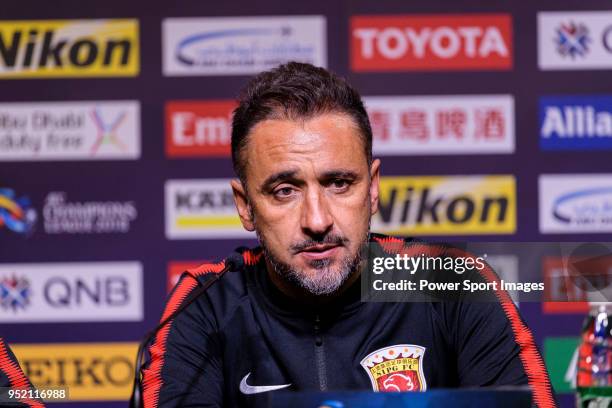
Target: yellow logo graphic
column 91, row 371
column 447, row 205
column 68, row 48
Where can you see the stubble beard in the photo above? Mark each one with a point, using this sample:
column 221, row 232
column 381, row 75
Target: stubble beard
column 326, row 278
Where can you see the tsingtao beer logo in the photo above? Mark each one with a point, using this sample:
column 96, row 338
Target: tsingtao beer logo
column 68, row 48
column 449, row 124
column 446, row 205
column 431, row 42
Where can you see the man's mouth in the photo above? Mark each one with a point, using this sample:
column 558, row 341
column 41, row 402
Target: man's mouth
column 320, row 251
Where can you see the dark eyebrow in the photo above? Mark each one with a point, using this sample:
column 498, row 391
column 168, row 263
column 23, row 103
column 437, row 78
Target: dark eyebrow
column 341, row 174
column 275, row 178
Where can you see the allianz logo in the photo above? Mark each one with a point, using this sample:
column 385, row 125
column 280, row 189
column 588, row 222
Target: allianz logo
column 576, row 121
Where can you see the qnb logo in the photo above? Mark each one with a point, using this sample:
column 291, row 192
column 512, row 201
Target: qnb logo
column 398, row 382
column 107, row 130
column 572, row 40
column 201, row 49
column 14, row 293
column 111, row 291
column 16, row 214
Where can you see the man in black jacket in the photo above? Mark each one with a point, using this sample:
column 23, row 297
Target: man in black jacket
column 293, row 318
column 13, row 379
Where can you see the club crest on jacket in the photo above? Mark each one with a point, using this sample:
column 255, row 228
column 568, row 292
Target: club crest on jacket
column 396, row 368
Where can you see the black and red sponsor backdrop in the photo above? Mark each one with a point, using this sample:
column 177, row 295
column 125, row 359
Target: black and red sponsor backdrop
column 142, row 181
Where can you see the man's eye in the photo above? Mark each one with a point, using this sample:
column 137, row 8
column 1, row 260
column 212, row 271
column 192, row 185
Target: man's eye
column 340, row 184
column 283, row 192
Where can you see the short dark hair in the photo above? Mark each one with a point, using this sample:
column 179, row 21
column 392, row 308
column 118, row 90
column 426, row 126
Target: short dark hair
column 295, row 91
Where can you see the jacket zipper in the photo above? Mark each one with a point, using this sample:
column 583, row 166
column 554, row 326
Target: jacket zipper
column 320, row 355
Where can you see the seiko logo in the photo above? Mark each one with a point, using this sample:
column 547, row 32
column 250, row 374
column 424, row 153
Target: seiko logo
column 100, row 370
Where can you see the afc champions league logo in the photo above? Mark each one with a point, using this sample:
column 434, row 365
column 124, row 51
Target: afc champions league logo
column 396, row 368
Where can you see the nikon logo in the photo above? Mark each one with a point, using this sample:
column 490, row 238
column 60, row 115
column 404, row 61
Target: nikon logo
column 461, row 205
column 68, row 48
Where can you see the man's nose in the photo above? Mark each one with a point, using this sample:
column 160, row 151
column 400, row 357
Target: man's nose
column 316, row 217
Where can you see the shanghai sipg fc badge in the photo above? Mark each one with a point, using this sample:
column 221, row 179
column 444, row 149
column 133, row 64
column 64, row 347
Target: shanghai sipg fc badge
column 396, row 368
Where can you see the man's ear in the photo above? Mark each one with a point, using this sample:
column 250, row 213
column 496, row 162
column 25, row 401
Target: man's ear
column 374, row 185
column 242, row 205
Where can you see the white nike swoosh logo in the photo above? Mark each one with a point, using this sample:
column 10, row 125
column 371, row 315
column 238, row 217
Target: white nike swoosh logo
column 251, row 389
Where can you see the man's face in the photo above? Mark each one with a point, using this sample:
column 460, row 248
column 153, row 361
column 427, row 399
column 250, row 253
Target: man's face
column 310, row 196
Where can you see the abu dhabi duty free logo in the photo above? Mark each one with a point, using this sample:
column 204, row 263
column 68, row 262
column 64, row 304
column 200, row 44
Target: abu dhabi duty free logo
column 75, row 130
column 108, row 130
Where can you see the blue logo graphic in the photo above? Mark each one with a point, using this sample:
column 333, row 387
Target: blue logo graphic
column 16, row 214
column 576, row 122
column 331, row 404
column 201, row 50
column 589, row 207
column 14, row 293
column 573, row 40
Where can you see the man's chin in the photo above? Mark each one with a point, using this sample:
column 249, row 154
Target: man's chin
column 320, row 279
